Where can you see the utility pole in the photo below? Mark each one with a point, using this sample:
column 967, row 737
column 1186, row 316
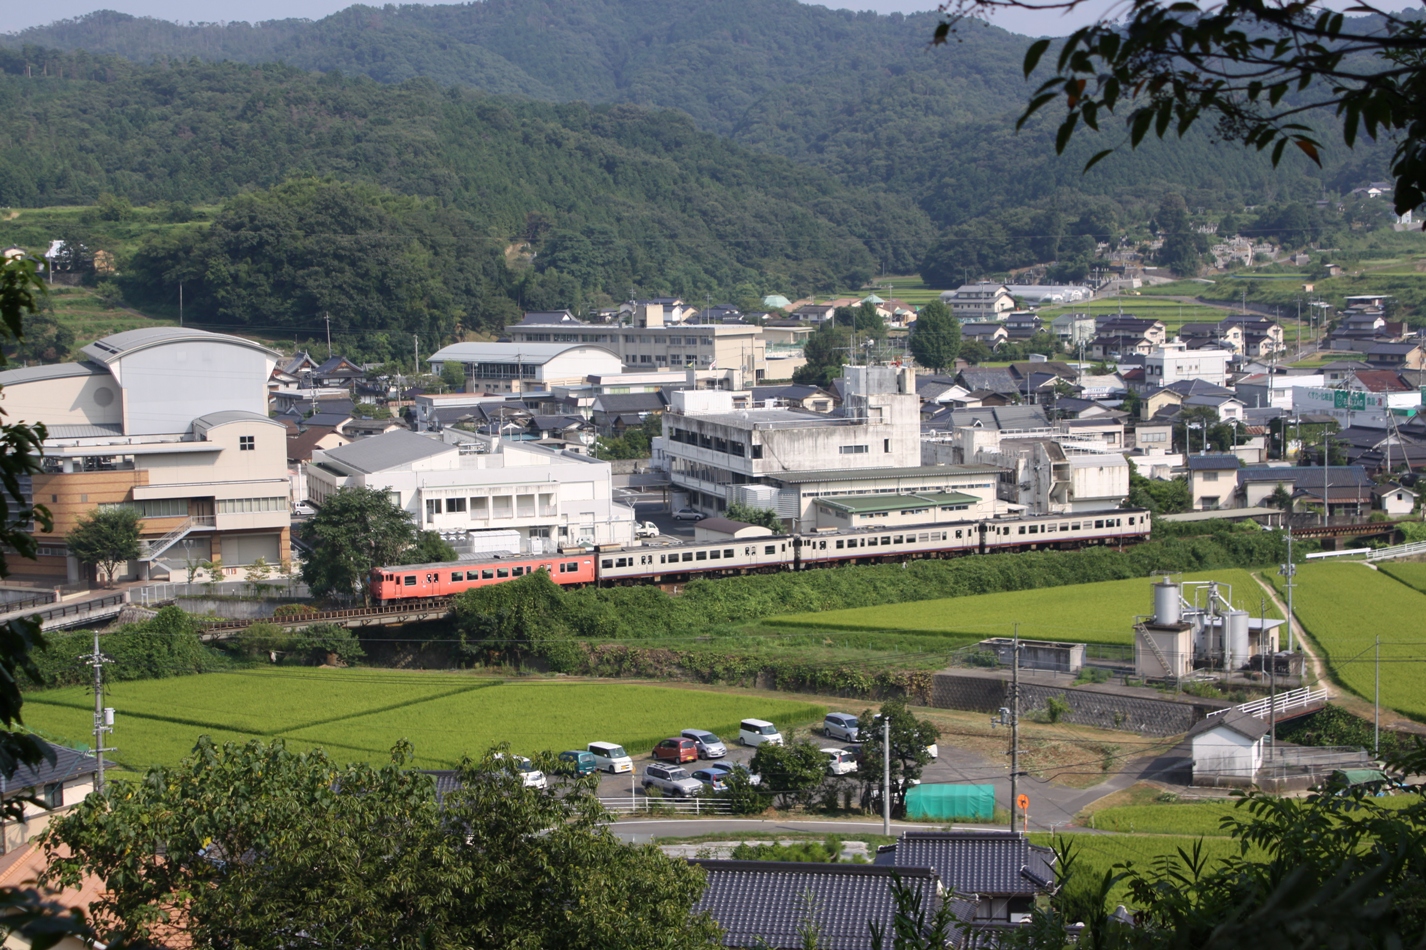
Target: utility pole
column 1015, row 727
column 103, row 718
column 1289, row 571
column 1272, row 677
column 416, row 356
column 180, row 303
column 326, row 315
column 1376, row 703
column 886, row 775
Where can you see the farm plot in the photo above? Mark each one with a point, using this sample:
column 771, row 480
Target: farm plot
column 1097, row 853
column 361, row 714
column 552, row 716
column 1096, row 613
column 1410, row 573
column 1344, row 607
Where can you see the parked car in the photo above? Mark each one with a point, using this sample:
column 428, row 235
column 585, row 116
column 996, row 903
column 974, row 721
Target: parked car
column 575, row 762
column 840, row 761
column 677, row 750
column 611, row 758
column 728, row 768
column 714, row 779
column 688, row 514
column 645, row 529
column 303, row 509
column 840, row 726
column 671, row 780
column 709, row 746
column 530, row 776
column 757, row 732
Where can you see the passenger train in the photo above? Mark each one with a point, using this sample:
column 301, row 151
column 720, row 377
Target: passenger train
column 682, row 562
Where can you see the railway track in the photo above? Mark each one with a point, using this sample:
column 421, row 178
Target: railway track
column 427, row 608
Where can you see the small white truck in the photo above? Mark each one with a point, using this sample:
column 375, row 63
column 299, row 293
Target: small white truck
column 645, row 529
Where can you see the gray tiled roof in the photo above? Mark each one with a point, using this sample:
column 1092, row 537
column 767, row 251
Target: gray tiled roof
column 68, row 764
column 988, row 863
column 767, row 903
column 388, row 450
column 1213, row 463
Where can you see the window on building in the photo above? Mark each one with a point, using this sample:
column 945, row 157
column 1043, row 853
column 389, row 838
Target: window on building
column 455, row 504
column 886, row 445
column 433, row 508
column 246, row 443
column 243, row 506
column 757, row 451
column 1210, row 476
column 479, row 507
column 852, row 449
column 54, row 795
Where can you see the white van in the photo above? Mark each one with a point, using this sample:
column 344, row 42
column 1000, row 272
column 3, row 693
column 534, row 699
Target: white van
column 610, row 758
column 758, row 732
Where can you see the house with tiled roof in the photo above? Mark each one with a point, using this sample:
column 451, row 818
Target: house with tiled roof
column 778, row 904
column 1002, row 872
column 1212, row 481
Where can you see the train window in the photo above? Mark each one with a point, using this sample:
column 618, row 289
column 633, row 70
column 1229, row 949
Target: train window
column 410, row 580
column 715, row 555
column 1117, row 523
column 502, row 572
column 727, row 552
column 622, row 562
column 646, row 559
column 958, row 532
column 869, row 543
column 886, row 539
column 520, row 571
column 770, row 549
column 841, row 544
column 1022, row 529
column 457, row 575
column 433, row 578
column 472, row 575
column 1131, row 519
column 1034, row 529
column 1075, row 526
column 897, row 540
column 487, row 574
column 923, row 536
column 607, row 562
column 663, row 558
column 821, row 545
column 1099, row 524
column 688, row 555
column 701, row 556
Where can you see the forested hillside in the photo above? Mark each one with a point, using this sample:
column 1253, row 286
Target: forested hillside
column 864, row 96
column 608, row 198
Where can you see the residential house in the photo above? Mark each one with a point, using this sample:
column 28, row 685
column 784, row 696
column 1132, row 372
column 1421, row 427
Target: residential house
column 338, row 372
column 1121, row 334
column 814, row 313
column 1347, row 491
column 1396, row 356
column 567, row 428
column 1396, row 501
column 1073, row 329
column 612, row 413
column 55, row 787
column 979, row 302
column 1003, row 873
column 1339, row 370
column 726, row 529
column 795, row 395
column 1022, row 325
column 777, row 904
column 989, row 334
column 1212, row 481
column 549, row 317
column 1227, row 749
column 1150, row 438
column 1172, row 362
column 669, row 311
column 301, row 444
column 1228, row 337
column 995, row 379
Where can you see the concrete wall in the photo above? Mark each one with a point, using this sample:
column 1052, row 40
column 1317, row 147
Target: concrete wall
column 72, row 400
column 166, row 387
column 1132, row 710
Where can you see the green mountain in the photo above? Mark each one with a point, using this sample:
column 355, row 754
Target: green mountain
column 861, row 95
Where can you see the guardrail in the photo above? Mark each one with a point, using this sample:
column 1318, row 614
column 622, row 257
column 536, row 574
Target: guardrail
column 1346, row 553
column 161, row 593
column 1400, row 550
column 636, row 805
column 325, row 616
column 1283, row 702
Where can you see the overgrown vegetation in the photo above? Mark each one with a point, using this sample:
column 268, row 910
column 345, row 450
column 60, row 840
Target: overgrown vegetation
column 163, row 646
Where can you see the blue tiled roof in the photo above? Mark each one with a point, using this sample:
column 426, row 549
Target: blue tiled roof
column 988, row 863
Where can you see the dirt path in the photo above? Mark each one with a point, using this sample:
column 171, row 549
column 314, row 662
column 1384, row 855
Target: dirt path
column 1351, row 702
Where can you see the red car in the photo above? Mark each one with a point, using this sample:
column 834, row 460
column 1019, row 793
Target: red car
column 677, row 750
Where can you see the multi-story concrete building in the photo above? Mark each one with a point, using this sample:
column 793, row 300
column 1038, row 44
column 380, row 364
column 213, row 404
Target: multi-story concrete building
column 982, row 302
column 169, row 421
column 712, row 448
column 646, row 343
column 474, row 485
column 518, row 367
column 1170, row 362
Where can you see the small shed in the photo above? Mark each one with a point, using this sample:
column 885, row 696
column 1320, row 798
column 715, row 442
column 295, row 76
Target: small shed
column 725, row 529
column 1227, row 749
column 1396, row 501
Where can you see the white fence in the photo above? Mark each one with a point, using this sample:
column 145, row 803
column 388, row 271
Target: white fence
column 1283, row 702
column 1349, row 552
column 642, row 805
column 162, row 593
column 1401, row 550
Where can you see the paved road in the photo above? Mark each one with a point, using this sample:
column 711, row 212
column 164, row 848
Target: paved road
column 643, row 830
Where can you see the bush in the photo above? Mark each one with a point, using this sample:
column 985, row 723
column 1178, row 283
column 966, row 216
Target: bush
column 165, row 645
column 1056, row 708
column 828, row 851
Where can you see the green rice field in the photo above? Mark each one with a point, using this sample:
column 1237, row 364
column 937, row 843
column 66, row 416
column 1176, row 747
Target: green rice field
column 1097, row 853
column 1093, row 613
column 361, row 714
column 1188, row 818
column 1344, row 607
column 1409, row 573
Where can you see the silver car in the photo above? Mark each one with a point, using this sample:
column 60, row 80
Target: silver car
column 671, row 780
column 709, row 746
column 840, row 726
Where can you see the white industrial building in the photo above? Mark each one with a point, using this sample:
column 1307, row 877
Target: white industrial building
column 1170, row 362
column 473, row 485
column 1227, row 749
column 1046, row 471
column 169, row 421
column 712, row 449
column 521, row 367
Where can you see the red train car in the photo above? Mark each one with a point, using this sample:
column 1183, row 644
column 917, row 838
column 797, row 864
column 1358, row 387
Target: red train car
column 413, row 581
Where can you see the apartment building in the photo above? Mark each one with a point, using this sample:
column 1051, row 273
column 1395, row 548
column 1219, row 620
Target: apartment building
column 172, row 422
column 981, row 302
column 466, row 486
column 526, row 366
column 647, row 343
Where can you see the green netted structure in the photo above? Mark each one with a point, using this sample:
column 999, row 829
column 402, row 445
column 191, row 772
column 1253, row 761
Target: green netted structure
column 951, row 803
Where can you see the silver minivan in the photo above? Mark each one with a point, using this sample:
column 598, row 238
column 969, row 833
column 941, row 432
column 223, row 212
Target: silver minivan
column 840, row 726
column 610, row 757
column 709, row 746
column 758, row 732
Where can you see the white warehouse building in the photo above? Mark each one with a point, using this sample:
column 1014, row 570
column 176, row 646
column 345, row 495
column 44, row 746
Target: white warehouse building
column 526, row 367
column 481, row 484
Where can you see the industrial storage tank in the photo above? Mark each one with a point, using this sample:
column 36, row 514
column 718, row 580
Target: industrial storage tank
column 1235, row 640
column 1166, row 604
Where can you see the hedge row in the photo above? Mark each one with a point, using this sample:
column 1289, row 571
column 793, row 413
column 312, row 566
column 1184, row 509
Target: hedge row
column 165, row 645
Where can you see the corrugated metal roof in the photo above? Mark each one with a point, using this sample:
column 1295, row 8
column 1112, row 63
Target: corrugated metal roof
column 857, row 504
column 112, row 347
column 83, row 431
column 531, row 353
column 388, row 450
column 226, row 416
column 769, row 903
column 32, row 374
column 980, row 862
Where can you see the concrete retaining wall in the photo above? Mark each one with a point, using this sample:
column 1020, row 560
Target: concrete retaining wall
column 1127, row 709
